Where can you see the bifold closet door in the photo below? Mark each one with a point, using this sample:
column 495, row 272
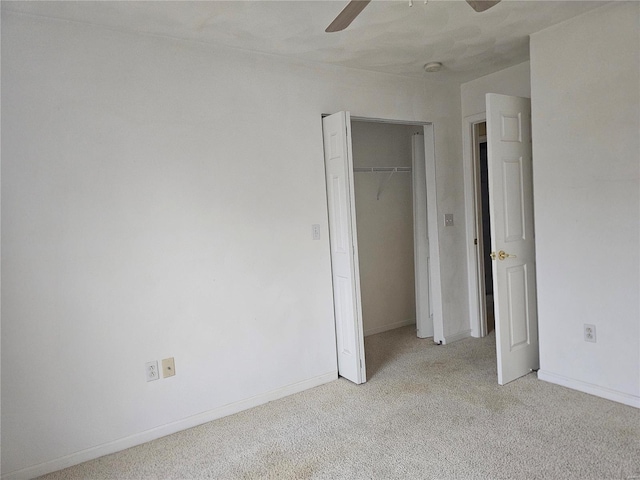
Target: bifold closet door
column 428, row 181
column 424, row 316
column 336, row 131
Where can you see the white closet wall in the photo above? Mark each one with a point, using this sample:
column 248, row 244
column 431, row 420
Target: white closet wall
column 385, row 225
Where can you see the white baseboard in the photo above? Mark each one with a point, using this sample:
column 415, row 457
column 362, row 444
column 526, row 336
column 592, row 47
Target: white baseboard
column 389, row 326
column 456, row 336
column 168, row 429
column 590, row 388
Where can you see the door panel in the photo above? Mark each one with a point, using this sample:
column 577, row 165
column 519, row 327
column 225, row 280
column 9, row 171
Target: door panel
column 518, row 316
column 344, row 252
column 513, row 200
column 435, row 282
column 511, row 204
column 422, row 263
column 338, row 217
column 344, row 305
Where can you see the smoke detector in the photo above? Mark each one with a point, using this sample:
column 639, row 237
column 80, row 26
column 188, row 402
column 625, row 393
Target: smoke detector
column 433, row 67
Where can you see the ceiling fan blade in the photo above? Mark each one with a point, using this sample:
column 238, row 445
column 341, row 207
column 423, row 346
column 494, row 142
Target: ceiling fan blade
column 348, row 15
column 482, row 5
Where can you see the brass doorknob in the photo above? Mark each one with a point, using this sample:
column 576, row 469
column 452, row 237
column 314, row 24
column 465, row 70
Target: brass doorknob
column 501, row 255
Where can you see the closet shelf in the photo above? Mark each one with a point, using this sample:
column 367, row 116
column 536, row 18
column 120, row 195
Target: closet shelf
column 383, row 169
column 385, row 180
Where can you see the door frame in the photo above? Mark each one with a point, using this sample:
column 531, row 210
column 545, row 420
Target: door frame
column 432, row 218
column 473, row 219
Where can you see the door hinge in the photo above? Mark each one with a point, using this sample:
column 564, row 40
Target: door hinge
column 475, row 241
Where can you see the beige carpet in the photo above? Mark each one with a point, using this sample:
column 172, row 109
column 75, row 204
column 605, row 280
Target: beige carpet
column 426, row 412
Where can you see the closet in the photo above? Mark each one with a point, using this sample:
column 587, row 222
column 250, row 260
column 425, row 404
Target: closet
column 382, row 173
column 383, row 232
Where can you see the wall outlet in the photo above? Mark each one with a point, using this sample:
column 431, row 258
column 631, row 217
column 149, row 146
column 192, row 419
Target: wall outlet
column 168, row 367
column 151, row 370
column 589, row 333
column 315, row 231
column 448, row 219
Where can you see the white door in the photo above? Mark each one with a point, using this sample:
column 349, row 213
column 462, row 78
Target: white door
column 336, row 131
column 424, row 315
column 435, row 283
column 512, row 236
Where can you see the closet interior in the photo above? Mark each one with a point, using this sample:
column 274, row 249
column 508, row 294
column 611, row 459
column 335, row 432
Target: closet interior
column 382, row 164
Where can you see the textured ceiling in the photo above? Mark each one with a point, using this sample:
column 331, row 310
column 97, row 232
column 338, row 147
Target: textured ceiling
column 388, row 36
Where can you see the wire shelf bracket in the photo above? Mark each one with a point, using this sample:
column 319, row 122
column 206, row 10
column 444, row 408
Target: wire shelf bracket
column 385, row 180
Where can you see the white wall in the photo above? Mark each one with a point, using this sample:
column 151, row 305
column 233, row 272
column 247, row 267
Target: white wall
column 510, row 81
column 586, row 147
column 157, row 200
column 450, row 193
column 385, row 226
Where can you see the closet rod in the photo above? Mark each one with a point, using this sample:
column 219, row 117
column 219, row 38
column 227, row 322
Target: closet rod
column 383, row 169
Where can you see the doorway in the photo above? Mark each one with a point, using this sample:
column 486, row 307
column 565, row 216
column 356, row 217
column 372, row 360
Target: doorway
column 509, row 161
column 483, row 227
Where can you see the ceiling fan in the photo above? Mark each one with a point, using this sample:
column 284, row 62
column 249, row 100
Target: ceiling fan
column 354, row 7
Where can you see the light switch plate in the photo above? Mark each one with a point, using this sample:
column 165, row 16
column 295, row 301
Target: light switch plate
column 168, row 367
column 448, row 219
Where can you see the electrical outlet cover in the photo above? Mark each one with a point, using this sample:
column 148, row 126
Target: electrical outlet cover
column 589, row 333
column 151, row 370
column 448, row 219
column 168, row 367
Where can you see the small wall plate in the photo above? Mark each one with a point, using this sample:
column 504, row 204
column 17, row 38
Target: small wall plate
column 168, row 367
